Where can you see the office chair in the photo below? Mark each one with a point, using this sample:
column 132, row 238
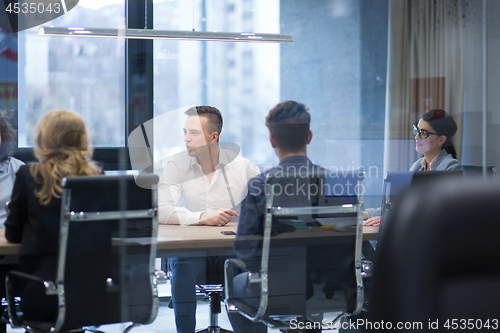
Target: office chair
column 107, row 247
column 438, row 257
column 283, row 257
column 211, row 286
column 213, row 289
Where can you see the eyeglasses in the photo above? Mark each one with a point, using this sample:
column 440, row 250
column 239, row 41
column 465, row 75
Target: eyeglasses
column 423, row 133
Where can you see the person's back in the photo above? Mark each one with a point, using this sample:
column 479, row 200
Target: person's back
column 253, row 207
column 63, row 150
column 288, row 124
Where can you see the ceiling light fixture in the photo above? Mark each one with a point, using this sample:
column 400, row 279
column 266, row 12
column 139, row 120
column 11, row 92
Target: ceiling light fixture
column 165, row 34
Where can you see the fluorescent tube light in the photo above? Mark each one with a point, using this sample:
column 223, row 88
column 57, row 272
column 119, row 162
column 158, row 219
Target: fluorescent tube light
column 165, row 34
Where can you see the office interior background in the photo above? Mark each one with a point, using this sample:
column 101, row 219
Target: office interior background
column 367, row 69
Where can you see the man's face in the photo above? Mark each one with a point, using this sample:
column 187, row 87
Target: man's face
column 197, row 135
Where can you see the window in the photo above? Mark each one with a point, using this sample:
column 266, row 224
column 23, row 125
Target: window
column 217, row 74
column 322, row 68
column 82, row 74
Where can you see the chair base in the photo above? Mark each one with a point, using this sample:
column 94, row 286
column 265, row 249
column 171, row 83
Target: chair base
column 213, row 329
column 215, row 297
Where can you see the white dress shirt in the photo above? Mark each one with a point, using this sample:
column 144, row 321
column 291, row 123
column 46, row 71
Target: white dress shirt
column 184, row 192
column 8, row 169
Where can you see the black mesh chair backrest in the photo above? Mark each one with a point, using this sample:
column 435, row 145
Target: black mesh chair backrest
column 107, row 245
column 314, row 188
column 294, row 245
column 291, row 267
column 292, row 190
column 438, row 258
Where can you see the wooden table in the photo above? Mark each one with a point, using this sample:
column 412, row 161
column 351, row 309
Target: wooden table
column 194, row 241
column 174, row 240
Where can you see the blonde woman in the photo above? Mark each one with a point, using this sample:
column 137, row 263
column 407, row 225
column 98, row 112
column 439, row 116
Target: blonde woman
column 63, row 150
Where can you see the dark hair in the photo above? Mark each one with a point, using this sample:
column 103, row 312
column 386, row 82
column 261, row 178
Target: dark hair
column 213, row 115
column 288, row 123
column 443, row 124
column 8, row 135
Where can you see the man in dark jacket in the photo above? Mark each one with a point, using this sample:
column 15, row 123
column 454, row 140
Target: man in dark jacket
column 289, row 134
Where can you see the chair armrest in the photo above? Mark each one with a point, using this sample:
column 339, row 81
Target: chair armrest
column 50, row 289
column 253, row 277
column 236, row 262
column 231, row 269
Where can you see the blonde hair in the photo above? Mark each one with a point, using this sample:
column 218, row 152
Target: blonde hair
column 63, row 150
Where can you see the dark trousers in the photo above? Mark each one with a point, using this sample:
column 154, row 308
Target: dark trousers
column 186, row 273
column 35, row 304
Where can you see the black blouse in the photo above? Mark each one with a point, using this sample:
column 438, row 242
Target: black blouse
column 35, row 226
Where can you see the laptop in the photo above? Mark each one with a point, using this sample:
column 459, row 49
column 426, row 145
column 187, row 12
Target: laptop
column 395, row 183
column 341, row 189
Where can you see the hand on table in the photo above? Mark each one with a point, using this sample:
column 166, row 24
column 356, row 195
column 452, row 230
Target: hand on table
column 372, row 222
column 221, row 217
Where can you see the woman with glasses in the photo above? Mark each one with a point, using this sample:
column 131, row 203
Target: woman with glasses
column 433, row 139
column 63, row 150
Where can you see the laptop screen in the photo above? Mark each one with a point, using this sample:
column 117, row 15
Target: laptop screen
column 395, row 183
column 341, row 189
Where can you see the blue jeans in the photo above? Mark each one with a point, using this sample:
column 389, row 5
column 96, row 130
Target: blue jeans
column 184, row 275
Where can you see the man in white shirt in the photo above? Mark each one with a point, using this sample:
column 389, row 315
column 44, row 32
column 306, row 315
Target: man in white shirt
column 201, row 187
column 8, row 164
